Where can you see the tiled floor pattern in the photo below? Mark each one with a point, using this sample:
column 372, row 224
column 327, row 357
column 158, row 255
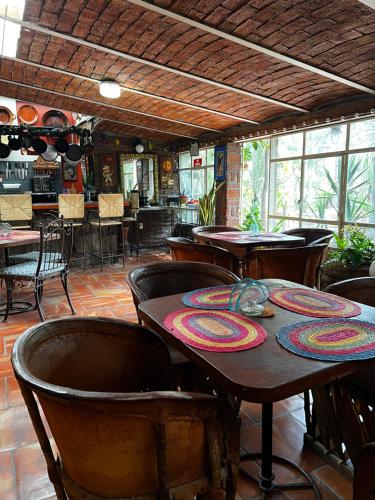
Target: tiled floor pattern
column 22, row 468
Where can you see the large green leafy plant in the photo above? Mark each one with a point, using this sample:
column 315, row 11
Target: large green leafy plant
column 353, row 250
column 207, row 205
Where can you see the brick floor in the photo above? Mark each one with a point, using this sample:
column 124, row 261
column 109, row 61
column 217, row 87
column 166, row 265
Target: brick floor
column 23, row 473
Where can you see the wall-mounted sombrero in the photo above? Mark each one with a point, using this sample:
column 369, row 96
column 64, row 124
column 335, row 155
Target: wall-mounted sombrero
column 28, row 114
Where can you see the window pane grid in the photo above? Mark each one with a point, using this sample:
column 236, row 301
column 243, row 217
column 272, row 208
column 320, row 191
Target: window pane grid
column 336, row 177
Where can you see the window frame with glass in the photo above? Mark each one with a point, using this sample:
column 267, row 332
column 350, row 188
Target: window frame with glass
column 339, row 184
column 204, row 171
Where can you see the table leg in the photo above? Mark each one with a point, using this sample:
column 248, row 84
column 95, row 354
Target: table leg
column 266, row 476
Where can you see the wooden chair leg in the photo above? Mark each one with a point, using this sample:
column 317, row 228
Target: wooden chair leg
column 64, row 281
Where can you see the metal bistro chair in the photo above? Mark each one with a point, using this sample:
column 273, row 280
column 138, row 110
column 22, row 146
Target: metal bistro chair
column 119, row 430
column 72, row 208
column 17, row 210
column 183, row 249
column 110, row 219
column 210, row 229
column 54, row 255
column 297, row 264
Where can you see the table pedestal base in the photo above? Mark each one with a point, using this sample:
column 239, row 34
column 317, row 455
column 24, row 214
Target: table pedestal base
column 271, row 485
column 266, row 476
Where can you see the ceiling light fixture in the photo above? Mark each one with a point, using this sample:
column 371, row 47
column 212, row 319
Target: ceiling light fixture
column 110, row 89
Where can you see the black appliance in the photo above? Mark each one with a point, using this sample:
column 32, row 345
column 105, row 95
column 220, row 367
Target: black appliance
column 44, row 197
column 42, row 184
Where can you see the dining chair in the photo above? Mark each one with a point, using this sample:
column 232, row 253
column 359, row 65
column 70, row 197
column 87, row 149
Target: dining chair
column 119, row 430
column 343, row 411
column 210, row 229
column 312, row 235
column 182, row 249
column 358, row 289
column 72, row 208
column 109, row 224
column 168, row 278
column 297, row 264
column 53, row 261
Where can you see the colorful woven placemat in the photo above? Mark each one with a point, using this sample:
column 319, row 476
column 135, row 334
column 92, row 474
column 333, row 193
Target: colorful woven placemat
column 330, row 339
column 221, row 331
column 216, row 297
column 314, row 303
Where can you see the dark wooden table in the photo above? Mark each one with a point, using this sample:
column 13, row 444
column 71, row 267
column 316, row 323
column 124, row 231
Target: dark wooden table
column 242, row 242
column 265, row 374
column 17, row 238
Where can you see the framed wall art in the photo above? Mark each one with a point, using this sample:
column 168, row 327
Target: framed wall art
column 220, row 163
column 70, row 172
column 108, row 171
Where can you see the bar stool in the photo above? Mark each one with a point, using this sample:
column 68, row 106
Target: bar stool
column 72, row 209
column 17, row 210
column 132, row 238
column 111, row 213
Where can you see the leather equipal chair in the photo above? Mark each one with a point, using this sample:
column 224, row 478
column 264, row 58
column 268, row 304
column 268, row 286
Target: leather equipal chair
column 210, row 229
column 183, row 249
column 297, row 264
column 119, row 431
column 312, row 235
column 358, row 289
column 168, row 278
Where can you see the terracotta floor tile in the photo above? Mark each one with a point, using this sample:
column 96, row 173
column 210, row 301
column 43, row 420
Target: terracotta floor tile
column 15, row 428
column 334, row 482
column 7, row 480
column 31, row 474
column 3, row 394
column 14, row 392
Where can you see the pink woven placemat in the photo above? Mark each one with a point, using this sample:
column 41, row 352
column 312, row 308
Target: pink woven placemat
column 314, row 303
column 220, row 331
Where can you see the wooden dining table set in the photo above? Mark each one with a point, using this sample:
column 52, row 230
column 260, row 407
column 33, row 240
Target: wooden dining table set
column 309, row 339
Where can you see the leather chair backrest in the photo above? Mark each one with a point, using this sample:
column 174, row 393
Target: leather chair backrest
column 297, row 264
column 169, row 278
column 358, row 289
column 189, row 251
column 312, row 235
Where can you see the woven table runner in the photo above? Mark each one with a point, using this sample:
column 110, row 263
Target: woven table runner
column 221, row 331
column 314, row 303
column 330, row 339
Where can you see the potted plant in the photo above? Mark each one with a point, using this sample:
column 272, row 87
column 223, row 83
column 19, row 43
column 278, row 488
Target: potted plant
column 207, row 205
column 351, row 258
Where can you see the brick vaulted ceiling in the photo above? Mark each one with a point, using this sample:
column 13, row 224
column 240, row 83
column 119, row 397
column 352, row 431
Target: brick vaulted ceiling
column 182, row 79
